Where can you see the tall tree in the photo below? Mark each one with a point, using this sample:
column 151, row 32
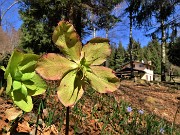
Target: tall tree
column 39, row 17
column 152, row 53
column 174, row 53
column 161, row 10
column 120, row 56
column 111, row 60
column 132, row 10
column 136, row 50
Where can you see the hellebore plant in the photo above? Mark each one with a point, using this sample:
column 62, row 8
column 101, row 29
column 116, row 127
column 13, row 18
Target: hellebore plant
column 22, row 81
column 78, row 65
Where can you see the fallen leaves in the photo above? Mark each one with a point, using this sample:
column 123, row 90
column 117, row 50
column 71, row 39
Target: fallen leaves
column 12, row 113
column 90, row 115
column 24, row 127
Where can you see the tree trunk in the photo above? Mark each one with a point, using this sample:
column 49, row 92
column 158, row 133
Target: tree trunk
column 73, row 15
column 130, row 44
column 163, row 51
column 77, row 21
column 94, row 32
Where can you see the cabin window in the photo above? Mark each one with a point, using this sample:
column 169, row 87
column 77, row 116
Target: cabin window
column 147, row 77
column 141, row 65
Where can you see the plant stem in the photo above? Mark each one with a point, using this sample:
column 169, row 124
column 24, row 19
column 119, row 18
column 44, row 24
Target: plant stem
column 67, row 121
column 37, row 120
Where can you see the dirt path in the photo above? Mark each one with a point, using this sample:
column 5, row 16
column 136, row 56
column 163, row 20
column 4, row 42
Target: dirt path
column 154, row 98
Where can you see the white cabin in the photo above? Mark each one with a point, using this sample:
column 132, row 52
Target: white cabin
column 144, row 70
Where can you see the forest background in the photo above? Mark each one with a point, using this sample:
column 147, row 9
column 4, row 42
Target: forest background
column 138, row 30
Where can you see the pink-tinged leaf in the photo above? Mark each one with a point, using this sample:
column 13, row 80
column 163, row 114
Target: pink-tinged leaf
column 70, row 89
column 96, row 51
column 53, row 66
column 66, row 38
column 105, row 73
column 102, row 79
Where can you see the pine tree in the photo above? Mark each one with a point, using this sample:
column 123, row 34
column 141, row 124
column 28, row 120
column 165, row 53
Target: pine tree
column 161, row 11
column 40, row 17
column 132, row 10
column 111, row 59
column 174, row 53
column 120, row 57
column 136, row 50
column 153, row 54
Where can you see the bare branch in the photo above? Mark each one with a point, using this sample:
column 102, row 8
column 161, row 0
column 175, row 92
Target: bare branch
column 8, row 9
column 2, row 2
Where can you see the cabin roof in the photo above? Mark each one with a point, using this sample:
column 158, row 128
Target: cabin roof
column 138, row 63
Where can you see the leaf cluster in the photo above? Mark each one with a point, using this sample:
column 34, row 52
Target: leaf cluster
column 78, row 66
column 22, row 81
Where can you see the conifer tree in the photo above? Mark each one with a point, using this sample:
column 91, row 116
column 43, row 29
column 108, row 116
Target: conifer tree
column 136, row 50
column 120, row 57
column 161, row 11
column 111, row 60
column 153, row 54
column 174, row 53
column 40, row 17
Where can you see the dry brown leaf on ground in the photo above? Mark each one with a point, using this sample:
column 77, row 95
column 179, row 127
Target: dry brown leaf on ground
column 1, row 90
column 3, row 124
column 23, row 127
column 50, row 130
column 12, row 113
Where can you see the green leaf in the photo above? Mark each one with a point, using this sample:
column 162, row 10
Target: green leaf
column 24, row 90
column 3, row 68
column 102, row 79
column 28, row 63
column 26, row 83
column 30, row 85
column 96, row 51
column 40, row 84
column 70, row 89
column 28, row 67
column 17, row 74
column 14, row 60
column 53, row 66
column 33, row 88
column 27, row 76
column 28, row 58
column 24, row 103
column 16, row 85
column 66, row 38
column 9, row 84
